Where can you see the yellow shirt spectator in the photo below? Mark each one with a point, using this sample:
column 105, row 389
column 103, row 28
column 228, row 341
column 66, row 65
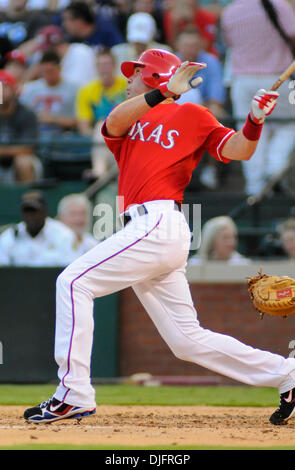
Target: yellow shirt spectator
column 94, row 101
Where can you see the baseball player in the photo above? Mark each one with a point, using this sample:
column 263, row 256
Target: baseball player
column 157, row 143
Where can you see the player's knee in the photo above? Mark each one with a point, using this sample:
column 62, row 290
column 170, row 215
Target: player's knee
column 67, row 279
column 182, row 354
column 64, row 280
column 181, row 350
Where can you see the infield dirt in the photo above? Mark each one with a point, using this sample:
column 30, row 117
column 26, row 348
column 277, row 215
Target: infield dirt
column 152, row 425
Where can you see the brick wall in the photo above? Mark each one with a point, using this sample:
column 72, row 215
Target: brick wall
column 224, row 308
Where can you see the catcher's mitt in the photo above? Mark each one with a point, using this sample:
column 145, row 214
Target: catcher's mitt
column 272, row 295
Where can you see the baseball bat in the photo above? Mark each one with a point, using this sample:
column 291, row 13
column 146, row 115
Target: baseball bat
column 286, row 74
column 252, row 200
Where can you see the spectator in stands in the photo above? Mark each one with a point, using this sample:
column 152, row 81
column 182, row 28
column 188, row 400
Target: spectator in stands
column 18, row 128
column 5, row 47
column 287, row 237
column 94, row 102
column 82, row 25
column 74, row 211
column 119, row 11
column 20, row 24
column 155, row 9
column 96, row 99
column 259, row 54
column 180, row 15
column 51, row 98
column 215, row 6
column 37, row 240
column 48, row 5
column 219, row 240
column 15, row 63
column 77, row 60
column 141, row 31
column 189, row 47
column 211, row 93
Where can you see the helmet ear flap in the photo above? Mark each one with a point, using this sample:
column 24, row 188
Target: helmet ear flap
column 150, row 77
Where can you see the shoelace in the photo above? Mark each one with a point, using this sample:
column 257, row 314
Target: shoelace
column 278, row 410
column 45, row 403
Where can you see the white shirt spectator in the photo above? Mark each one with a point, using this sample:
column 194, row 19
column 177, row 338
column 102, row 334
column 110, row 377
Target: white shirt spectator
column 141, row 30
column 53, row 246
column 58, row 100
column 75, row 211
column 85, row 244
column 37, row 4
column 127, row 51
column 235, row 259
column 79, row 64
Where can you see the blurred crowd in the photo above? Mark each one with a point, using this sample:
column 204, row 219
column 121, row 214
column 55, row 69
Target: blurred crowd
column 40, row 240
column 60, row 73
column 60, row 77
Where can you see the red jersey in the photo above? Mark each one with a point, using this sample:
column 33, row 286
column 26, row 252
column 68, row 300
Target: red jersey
column 157, row 156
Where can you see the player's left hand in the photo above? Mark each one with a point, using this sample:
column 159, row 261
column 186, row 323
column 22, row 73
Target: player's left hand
column 262, row 105
column 183, row 79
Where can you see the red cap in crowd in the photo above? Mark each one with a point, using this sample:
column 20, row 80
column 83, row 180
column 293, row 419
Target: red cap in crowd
column 7, row 78
column 16, row 55
column 49, row 36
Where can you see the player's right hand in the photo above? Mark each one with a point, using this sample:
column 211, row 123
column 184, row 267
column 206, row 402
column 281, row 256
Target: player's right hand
column 262, row 105
column 182, row 80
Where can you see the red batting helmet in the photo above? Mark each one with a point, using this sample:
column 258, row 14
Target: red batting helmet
column 157, row 65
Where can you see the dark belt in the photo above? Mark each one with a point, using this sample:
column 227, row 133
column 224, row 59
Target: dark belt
column 142, row 210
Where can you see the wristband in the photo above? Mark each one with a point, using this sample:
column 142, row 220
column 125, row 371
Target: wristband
column 154, row 97
column 251, row 130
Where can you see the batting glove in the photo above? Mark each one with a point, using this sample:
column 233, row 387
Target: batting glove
column 262, row 105
column 182, row 80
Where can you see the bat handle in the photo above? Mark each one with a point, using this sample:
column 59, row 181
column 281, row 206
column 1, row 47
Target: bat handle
column 276, row 85
column 286, row 74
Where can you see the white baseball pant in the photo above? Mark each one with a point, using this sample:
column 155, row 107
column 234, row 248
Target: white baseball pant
column 150, row 255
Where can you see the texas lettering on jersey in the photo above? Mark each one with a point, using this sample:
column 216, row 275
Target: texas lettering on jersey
column 157, row 156
column 165, row 139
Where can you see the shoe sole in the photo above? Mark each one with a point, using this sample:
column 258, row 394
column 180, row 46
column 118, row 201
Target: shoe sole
column 79, row 415
column 284, row 421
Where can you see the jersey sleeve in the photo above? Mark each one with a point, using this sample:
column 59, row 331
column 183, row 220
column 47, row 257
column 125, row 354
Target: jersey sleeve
column 216, row 141
column 113, row 143
column 217, row 136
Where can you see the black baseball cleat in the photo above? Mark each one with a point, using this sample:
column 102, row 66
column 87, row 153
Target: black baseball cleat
column 286, row 408
column 53, row 410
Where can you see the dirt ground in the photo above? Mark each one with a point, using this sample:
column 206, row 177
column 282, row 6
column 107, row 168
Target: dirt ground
column 152, row 425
